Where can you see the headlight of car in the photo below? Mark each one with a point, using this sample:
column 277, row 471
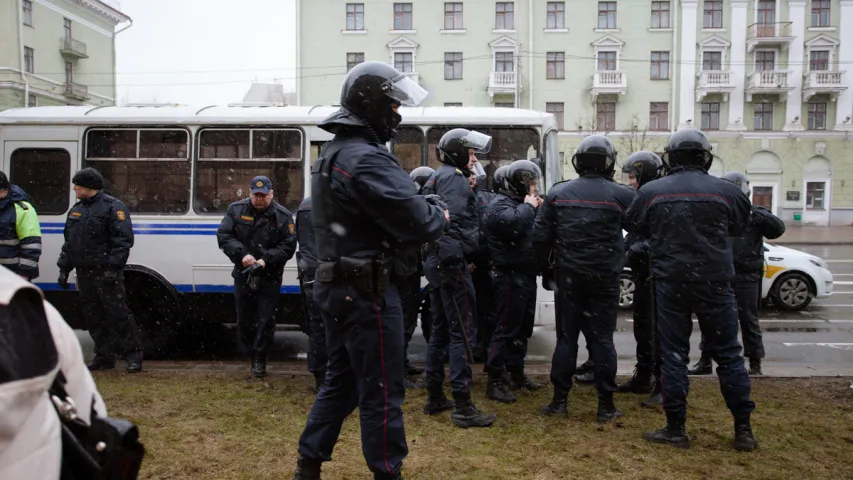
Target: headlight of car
column 818, row 262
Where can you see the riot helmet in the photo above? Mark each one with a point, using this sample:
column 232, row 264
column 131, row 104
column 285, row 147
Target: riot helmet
column 740, row 180
column 499, row 179
column 523, row 178
column 372, row 91
column 420, row 176
column 455, row 147
column 595, row 154
column 644, row 165
column 688, row 147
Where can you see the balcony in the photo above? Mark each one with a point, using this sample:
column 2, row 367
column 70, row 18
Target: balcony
column 76, row 91
column 823, row 82
column 715, row 81
column 777, row 35
column 72, row 49
column 608, row 82
column 503, row 82
column 769, row 82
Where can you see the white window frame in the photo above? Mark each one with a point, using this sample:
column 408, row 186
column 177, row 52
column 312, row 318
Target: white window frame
column 775, row 58
column 404, row 44
column 608, row 43
column 819, row 43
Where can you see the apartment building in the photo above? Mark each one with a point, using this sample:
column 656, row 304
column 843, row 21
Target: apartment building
column 766, row 79
column 58, row 52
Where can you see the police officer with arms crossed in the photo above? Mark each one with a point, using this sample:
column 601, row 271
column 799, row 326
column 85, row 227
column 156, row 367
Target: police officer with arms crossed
column 20, row 233
column 98, row 239
column 688, row 217
column 446, row 268
column 641, row 168
column 509, row 226
column 583, row 220
column 365, row 208
column 306, row 262
column 748, row 254
column 258, row 235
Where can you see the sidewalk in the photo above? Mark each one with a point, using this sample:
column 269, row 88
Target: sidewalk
column 835, row 235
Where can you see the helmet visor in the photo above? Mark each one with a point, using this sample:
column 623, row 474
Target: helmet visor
column 478, row 170
column 406, row 91
column 480, row 142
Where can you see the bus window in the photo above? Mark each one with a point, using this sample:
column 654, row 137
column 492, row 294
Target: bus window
column 407, row 146
column 45, row 175
column 228, row 159
column 508, row 145
column 148, row 169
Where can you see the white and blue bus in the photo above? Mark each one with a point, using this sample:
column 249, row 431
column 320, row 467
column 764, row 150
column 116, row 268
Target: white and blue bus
column 178, row 168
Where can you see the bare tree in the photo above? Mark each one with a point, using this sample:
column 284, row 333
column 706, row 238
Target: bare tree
column 634, row 139
column 588, row 126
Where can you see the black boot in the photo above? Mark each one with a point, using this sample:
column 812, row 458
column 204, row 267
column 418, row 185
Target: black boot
column 585, row 367
column 656, row 398
column 744, row 441
column 607, row 411
column 497, row 390
column 466, row 415
column 134, row 362
column 702, row 367
column 673, row 434
column 387, row 476
column 319, row 379
column 259, row 365
column 101, row 362
column 586, row 377
column 519, row 380
column 436, row 402
column 639, row 384
column 307, row 469
column 413, row 370
column 558, row 406
column 755, row 366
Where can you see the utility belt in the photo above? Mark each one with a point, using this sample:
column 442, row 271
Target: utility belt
column 369, row 276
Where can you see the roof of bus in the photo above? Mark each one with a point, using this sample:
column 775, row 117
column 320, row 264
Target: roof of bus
column 259, row 115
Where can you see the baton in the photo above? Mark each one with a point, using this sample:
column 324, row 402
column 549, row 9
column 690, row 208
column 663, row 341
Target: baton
column 252, row 269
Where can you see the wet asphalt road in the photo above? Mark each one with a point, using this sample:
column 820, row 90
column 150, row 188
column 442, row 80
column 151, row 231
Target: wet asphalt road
column 816, row 341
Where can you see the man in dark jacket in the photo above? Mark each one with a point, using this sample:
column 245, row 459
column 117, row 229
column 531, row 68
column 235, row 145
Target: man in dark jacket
column 748, row 254
column 20, row 233
column 582, row 220
column 688, row 217
column 480, row 267
column 98, row 239
column 258, row 235
column 306, row 263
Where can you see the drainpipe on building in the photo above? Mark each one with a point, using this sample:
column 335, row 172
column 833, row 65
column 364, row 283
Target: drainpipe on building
column 675, row 69
column 115, row 74
column 21, row 51
column 530, row 54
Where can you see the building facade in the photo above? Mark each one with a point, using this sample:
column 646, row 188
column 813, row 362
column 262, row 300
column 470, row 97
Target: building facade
column 766, row 79
column 58, row 52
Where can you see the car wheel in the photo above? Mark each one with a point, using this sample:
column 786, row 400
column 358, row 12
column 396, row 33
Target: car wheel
column 792, row 292
column 626, row 291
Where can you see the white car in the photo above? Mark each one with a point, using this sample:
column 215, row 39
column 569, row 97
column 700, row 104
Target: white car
column 791, row 279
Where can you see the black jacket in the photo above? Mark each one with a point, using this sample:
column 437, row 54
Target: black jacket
column 306, row 257
column 583, row 221
column 688, row 217
column 98, row 234
column 269, row 236
column 483, row 258
column 509, row 228
column 748, row 249
column 461, row 243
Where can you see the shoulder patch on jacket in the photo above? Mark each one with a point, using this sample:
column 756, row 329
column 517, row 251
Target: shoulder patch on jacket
column 247, row 218
column 291, row 228
column 121, row 215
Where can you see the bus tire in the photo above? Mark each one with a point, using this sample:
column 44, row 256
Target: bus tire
column 156, row 306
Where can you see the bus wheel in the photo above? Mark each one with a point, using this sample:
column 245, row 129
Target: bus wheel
column 154, row 303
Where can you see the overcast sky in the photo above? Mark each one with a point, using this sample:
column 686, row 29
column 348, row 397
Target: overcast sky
column 203, row 51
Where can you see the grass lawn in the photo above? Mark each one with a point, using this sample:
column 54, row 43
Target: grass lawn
column 226, row 426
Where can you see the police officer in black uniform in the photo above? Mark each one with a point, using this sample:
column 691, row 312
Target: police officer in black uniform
column 258, row 235
column 446, row 268
column 583, row 221
column 688, row 217
column 480, row 267
column 306, row 263
column 420, row 176
column 98, row 239
column 509, row 227
column 748, row 254
column 641, row 168
column 365, row 208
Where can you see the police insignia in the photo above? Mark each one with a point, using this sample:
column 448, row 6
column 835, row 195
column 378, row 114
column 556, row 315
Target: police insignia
column 121, row 216
column 259, row 184
column 291, row 228
column 247, row 218
column 76, row 214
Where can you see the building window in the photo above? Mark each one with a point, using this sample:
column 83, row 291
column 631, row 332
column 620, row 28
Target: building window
column 819, row 60
column 713, row 17
column 69, row 72
column 453, row 104
column 453, row 16
column 660, row 14
column 66, row 24
column 28, row 13
column 712, row 61
column 765, row 61
column 32, row 100
column 453, row 66
column 45, row 174
column 556, row 15
column 504, row 13
column 556, row 65
column 820, row 13
column 815, row 192
column 660, row 66
column 355, row 16
column 606, row 14
column 403, row 62
column 817, row 116
column 766, row 18
column 658, row 116
column 354, row 59
column 711, row 116
column 558, row 109
column 504, row 62
column 605, row 116
column 402, row 16
column 606, row 61
column 29, row 60
column 763, row 117
column 504, row 105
